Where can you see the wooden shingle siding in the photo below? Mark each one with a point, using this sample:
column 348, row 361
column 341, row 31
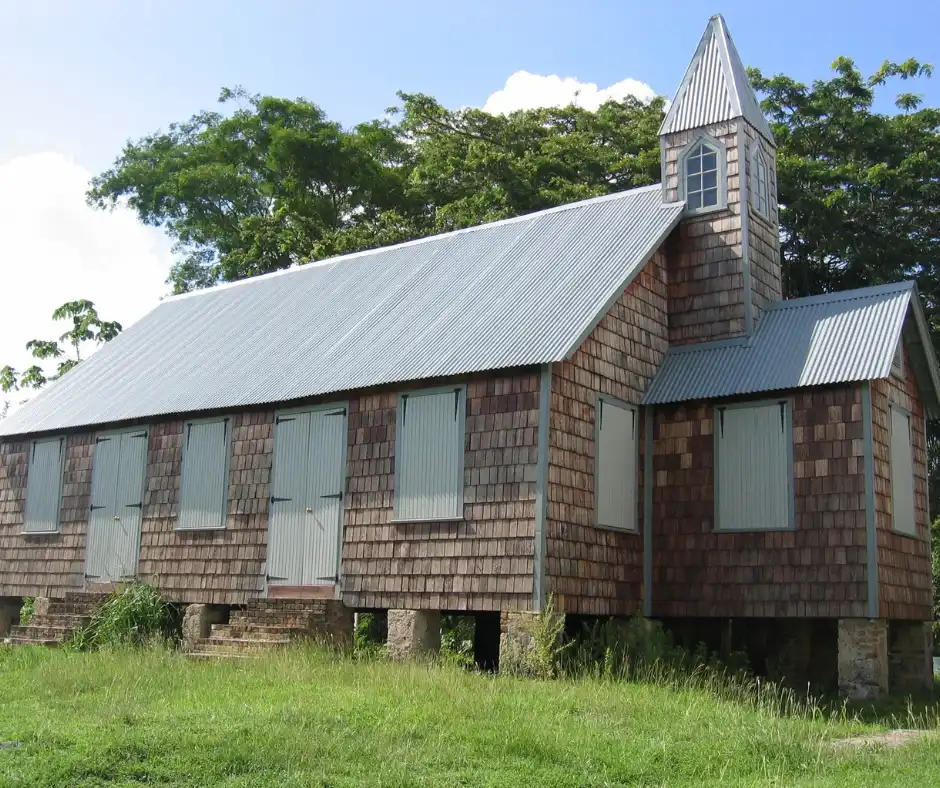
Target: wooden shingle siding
column 904, row 582
column 483, row 562
column 763, row 234
column 590, row 570
column 47, row 564
column 706, row 276
column 218, row 566
column 817, row 570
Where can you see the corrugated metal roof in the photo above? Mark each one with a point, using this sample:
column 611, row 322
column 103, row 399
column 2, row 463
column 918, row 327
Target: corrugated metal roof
column 715, row 87
column 517, row 292
column 834, row 338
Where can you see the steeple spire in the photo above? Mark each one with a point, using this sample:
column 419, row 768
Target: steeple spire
column 715, row 87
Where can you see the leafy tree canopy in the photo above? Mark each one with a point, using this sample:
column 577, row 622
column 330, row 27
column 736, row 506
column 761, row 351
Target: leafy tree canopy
column 86, row 327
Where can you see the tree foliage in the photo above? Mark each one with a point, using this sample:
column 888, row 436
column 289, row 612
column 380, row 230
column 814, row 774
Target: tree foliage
column 86, row 327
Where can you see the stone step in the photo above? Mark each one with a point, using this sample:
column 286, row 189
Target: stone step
column 271, row 620
column 72, row 620
column 251, row 628
column 58, row 608
column 216, row 645
column 216, row 655
column 89, row 597
column 41, row 632
column 15, row 640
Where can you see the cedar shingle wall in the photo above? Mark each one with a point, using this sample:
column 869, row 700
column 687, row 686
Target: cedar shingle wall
column 904, row 577
column 50, row 564
column 818, row 569
column 764, row 237
column 706, row 276
column 483, row 562
column 597, row 571
column 222, row 566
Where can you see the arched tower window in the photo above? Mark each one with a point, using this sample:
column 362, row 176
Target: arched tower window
column 760, row 183
column 703, row 175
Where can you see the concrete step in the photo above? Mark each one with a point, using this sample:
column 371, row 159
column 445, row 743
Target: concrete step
column 216, row 645
column 93, row 597
column 289, row 622
column 14, row 640
column 58, row 608
column 72, row 620
column 251, row 629
column 41, row 632
column 215, row 655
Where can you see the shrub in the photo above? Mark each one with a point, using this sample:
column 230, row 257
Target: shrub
column 27, row 610
column 136, row 615
column 457, row 634
column 369, row 636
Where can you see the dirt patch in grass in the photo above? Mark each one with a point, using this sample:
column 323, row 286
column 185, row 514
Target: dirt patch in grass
column 889, row 739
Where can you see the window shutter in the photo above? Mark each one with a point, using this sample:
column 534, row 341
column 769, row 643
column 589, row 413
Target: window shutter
column 44, row 485
column 753, row 470
column 902, row 474
column 429, row 456
column 616, row 466
column 204, row 479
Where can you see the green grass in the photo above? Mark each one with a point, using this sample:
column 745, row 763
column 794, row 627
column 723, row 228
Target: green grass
column 304, row 718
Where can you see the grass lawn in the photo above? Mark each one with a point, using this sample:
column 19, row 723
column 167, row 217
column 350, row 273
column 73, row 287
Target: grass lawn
column 303, row 718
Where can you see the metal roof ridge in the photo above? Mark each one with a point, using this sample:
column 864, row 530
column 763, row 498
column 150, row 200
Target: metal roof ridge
column 843, row 295
column 571, row 206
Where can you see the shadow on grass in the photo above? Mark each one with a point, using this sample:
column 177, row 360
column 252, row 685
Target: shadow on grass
column 911, row 710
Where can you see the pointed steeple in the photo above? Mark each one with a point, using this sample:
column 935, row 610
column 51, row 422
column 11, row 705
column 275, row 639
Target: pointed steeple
column 715, row 87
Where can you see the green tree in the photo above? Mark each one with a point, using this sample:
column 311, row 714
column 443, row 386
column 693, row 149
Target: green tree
column 86, row 327
column 859, row 190
column 253, row 191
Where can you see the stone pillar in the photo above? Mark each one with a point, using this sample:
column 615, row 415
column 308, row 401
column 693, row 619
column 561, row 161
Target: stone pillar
column 41, row 606
column 863, row 658
column 413, row 633
column 9, row 610
column 518, row 651
column 197, row 623
column 910, row 656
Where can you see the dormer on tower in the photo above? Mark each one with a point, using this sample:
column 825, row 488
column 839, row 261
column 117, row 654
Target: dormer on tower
column 725, row 266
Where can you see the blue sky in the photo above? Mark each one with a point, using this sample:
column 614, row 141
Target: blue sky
column 78, row 79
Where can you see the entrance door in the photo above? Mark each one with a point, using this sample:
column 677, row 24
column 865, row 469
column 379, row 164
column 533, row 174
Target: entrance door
column 307, row 498
column 117, row 491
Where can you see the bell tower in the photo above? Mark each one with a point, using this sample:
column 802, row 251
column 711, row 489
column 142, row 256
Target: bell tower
column 718, row 155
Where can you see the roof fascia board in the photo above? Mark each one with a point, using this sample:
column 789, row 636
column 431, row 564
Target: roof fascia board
column 923, row 331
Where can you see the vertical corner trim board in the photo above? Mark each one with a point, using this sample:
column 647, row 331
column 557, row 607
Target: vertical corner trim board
column 871, row 535
column 745, row 209
column 648, row 422
column 541, row 489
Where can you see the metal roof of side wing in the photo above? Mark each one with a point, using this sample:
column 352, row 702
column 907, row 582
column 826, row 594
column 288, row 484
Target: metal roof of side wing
column 814, row 341
column 512, row 293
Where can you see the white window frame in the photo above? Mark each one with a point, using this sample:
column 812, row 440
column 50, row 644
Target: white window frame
column 228, row 460
column 790, row 525
column 400, row 425
column 62, row 441
column 760, row 194
column 633, row 482
column 721, row 157
column 892, row 409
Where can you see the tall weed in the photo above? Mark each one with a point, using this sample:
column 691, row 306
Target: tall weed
column 136, row 615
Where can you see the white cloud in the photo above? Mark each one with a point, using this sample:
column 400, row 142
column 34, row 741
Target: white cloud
column 531, row 91
column 54, row 248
